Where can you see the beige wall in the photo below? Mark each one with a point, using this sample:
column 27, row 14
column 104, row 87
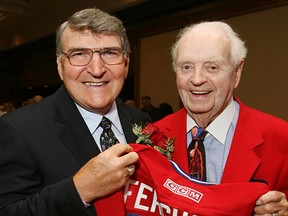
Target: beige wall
column 157, row 78
column 264, row 79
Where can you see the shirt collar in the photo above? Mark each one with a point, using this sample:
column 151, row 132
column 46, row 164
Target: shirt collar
column 93, row 120
column 219, row 127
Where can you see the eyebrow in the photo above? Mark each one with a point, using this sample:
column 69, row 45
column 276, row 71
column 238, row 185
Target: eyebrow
column 84, row 48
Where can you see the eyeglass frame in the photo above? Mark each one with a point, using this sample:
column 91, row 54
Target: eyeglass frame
column 99, row 51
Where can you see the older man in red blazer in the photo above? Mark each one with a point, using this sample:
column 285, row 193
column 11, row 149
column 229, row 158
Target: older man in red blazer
column 242, row 144
column 259, row 157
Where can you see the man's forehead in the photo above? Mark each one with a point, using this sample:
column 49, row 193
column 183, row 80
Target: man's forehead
column 88, row 32
column 77, row 37
column 203, row 33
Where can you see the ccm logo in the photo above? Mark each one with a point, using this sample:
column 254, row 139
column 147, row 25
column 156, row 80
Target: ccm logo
column 183, row 191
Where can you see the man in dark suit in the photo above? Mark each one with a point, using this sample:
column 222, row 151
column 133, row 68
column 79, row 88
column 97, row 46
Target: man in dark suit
column 242, row 144
column 51, row 161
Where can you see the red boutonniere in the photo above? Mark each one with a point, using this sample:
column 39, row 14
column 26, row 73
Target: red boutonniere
column 151, row 136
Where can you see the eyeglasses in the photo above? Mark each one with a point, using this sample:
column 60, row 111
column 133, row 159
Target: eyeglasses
column 82, row 57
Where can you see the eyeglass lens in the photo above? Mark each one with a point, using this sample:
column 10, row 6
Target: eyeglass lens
column 82, row 57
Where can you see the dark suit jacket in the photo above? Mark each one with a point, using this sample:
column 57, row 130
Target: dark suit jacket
column 259, row 149
column 41, row 147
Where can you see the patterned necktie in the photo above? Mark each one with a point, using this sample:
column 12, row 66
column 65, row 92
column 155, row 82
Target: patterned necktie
column 107, row 138
column 196, row 154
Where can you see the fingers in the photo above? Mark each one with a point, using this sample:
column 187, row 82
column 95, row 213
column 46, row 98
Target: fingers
column 126, row 157
column 272, row 202
column 120, row 149
column 125, row 154
column 270, row 196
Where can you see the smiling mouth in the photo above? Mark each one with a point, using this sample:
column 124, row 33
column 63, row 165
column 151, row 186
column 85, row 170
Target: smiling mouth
column 95, row 83
column 200, row 92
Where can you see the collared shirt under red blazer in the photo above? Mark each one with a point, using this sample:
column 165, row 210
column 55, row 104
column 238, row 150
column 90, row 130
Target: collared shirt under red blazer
column 259, row 149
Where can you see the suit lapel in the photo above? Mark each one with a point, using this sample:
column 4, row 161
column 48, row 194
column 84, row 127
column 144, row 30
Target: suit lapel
column 175, row 126
column 126, row 120
column 74, row 134
column 79, row 141
column 242, row 161
column 180, row 152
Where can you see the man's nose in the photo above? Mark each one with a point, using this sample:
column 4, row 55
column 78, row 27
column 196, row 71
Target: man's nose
column 198, row 76
column 96, row 66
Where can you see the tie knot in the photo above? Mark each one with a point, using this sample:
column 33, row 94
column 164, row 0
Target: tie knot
column 198, row 133
column 105, row 123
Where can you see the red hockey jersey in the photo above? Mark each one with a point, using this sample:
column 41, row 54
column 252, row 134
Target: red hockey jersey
column 160, row 187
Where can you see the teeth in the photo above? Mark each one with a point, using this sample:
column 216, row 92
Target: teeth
column 197, row 92
column 94, row 84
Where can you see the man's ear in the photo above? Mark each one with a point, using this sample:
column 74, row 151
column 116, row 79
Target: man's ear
column 238, row 72
column 126, row 64
column 127, row 61
column 59, row 67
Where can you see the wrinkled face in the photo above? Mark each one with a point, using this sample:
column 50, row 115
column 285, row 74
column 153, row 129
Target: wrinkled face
column 96, row 85
column 205, row 76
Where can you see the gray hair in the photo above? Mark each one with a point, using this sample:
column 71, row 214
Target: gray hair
column 238, row 49
column 98, row 22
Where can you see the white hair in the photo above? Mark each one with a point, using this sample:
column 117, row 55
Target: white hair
column 238, row 49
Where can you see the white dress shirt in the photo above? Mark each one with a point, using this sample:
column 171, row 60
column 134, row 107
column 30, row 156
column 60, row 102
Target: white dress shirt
column 218, row 140
column 93, row 120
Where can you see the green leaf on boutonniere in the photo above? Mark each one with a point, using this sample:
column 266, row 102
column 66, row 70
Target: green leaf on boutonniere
column 152, row 136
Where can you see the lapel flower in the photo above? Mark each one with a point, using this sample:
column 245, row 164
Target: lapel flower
column 152, row 136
